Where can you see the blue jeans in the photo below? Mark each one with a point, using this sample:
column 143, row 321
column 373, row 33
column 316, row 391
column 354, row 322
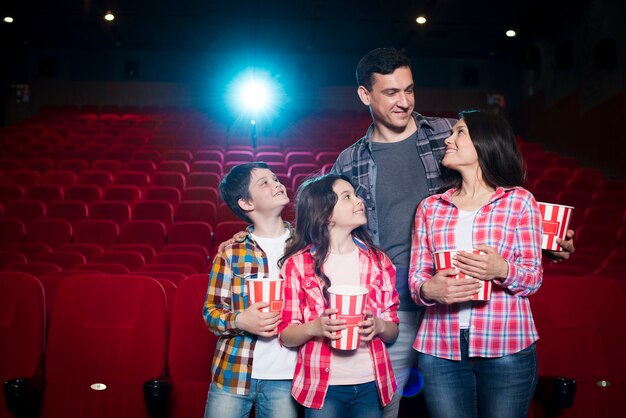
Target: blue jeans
column 479, row 387
column 272, row 398
column 345, row 401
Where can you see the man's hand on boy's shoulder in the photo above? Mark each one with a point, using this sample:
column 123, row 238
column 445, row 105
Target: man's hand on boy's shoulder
column 252, row 320
column 238, row 237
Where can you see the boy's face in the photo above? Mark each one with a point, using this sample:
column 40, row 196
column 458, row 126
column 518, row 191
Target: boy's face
column 266, row 192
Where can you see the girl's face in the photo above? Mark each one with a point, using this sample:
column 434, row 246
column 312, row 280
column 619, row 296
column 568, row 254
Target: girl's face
column 349, row 211
column 460, row 150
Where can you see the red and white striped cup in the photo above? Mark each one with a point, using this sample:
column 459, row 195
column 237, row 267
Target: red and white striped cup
column 350, row 302
column 263, row 289
column 555, row 223
column 443, row 260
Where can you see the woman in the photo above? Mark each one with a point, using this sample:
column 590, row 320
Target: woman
column 478, row 358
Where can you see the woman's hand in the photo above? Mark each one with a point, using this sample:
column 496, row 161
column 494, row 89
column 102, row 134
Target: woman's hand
column 371, row 326
column 441, row 288
column 487, row 266
column 326, row 327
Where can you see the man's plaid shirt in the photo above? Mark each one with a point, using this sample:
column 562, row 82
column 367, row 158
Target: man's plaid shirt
column 226, row 297
column 357, row 164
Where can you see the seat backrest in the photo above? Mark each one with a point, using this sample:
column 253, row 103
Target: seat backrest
column 113, row 210
column 143, row 232
column 102, row 232
column 22, row 326
column 52, row 232
column 580, row 321
column 199, row 233
column 126, row 193
column 71, row 211
column 155, row 210
column 13, row 232
column 131, row 259
column 201, row 211
column 193, row 260
column 191, row 348
column 87, row 193
column 25, row 210
column 109, row 330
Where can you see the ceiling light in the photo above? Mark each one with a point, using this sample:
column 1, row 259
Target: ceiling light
column 8, row 19
column 109, row 16
column 421, row 19
column 511, row 33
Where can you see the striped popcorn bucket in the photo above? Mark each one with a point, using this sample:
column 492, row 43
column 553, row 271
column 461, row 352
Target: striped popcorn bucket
column 555, row 223
column 350, row 302
column 263, row 289
column 443, row 260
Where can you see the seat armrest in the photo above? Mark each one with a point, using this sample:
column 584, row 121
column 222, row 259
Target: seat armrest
column 555, row 393
column 155, row 394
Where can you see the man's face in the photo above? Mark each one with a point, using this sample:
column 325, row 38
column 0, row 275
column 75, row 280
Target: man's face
column 391, row 98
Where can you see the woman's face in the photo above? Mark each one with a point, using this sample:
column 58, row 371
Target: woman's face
column 349, row 211
column 460, row 150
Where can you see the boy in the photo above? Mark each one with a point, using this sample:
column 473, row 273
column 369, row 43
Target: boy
column 250, row 367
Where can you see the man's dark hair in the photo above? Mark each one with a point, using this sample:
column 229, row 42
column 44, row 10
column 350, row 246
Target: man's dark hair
column 236, row 185
column 379, row 61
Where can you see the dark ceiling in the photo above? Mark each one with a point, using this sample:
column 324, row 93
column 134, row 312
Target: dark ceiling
column 455, row 27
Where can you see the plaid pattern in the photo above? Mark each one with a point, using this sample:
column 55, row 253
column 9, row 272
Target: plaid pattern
column 226, row 296
column 304, row 302
column 357, row 164
column 511, row 223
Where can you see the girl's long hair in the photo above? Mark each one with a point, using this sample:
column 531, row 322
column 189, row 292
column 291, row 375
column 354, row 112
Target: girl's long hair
column 314, row 206
column 499, row 157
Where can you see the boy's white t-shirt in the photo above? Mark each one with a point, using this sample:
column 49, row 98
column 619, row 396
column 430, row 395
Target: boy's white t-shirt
column 463, row 238
column 271, row 361
column 348, row 367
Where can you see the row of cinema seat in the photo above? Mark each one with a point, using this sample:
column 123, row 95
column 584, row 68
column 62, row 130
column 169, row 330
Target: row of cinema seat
column 111, row 338
column 108, row 335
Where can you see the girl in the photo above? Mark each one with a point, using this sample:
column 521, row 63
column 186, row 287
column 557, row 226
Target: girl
column 478, row 358
column 331, row 246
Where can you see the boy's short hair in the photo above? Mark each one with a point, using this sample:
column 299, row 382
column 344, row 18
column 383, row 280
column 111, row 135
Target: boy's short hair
column 236, row 185
column 379, row 61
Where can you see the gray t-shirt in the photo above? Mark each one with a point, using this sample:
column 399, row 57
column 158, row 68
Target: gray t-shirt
column 400, row 186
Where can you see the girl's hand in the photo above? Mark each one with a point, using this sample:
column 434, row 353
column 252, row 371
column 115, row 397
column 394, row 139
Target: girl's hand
column 371, row 326
column 486, row 266
column 445, row 290
column 326, row 327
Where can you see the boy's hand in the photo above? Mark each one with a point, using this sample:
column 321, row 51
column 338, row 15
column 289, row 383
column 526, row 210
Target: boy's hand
column 326, row 327
column 252, row 320
column 370, row 326
column 238, row 237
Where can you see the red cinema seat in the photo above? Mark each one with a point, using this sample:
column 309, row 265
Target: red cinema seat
column 101, row 268
column 132, row 178
column 10, row 192
column 589, row 173
column 186, row 248
column 61, row 178
column 210, row 155
column 28, row 249
column 86, row 193
column 116, row 211
column 603, row 216
column 24, row 178
column 172, row 276
column 180, row 268
column 226, row 229
column 198, row 233
column 191, row 348
column 112, row 166
column 25, row 210
column 45, row 193
column 108, row 331
column 101, row 179
column 132, row 260
column 196, row 211
column 299, row 157
column 8, row 257
column 178, row 155
column 71, row 211
column 116, row 154
column 170, row 179
column 153, row 210
column 201, row 193
column 101, row 232
column 36, row 269
column 583, row 344
column 307, row 169
column 145, row 166
column 144, row 249
column 206, row 167
column 596, row 236
column 204, row 180
column 143, row 232
column 153, row 155
column 176, row 166
column 87, row 250
column 127, row 193
column 270, row 157
column 76, row 165
column 52, row 232
column 39, row 164
column 64, row 259
column 22, row 335
column 191, row 259
column 225, row 214
column 169, row 194
column 13, row 231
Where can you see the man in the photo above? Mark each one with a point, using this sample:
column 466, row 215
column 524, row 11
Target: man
column 393, row 167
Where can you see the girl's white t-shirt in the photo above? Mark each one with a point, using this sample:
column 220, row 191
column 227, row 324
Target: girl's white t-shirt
column 271, row 361
column 463, row 238
column 348, row 367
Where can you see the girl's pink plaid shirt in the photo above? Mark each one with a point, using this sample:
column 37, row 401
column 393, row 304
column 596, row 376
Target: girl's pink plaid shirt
column 304, row 302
